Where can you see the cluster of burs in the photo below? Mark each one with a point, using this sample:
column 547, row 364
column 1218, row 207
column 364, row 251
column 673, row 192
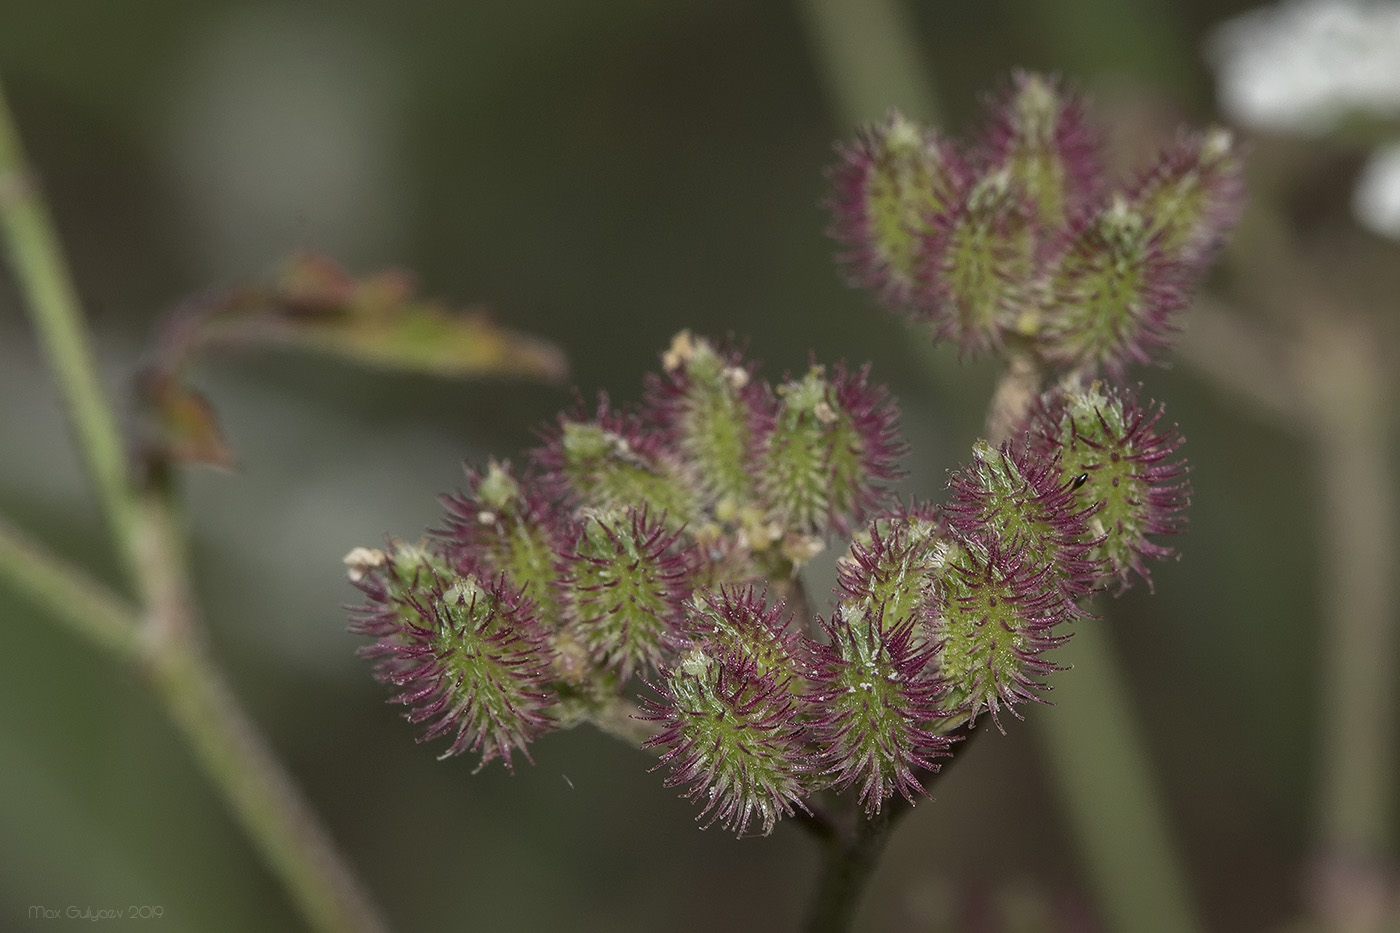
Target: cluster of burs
column 656, row 549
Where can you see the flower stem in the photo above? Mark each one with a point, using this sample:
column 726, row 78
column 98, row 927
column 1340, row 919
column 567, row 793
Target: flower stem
column 47, row 288
column 1096, row 757
column 161, row 638
column 867, row 53
column 621, row 719
column 85, row 606
column 263, row 796
column 849, row 861
column 851, row 852
column 1013, row 397
column 1345, row 391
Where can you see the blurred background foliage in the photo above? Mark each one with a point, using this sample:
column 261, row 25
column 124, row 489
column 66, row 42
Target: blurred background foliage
column 600, row 174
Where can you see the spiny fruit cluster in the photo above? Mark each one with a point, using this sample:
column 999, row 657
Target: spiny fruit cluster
column 657, row 542
column 663, row 543
column 1018, row 241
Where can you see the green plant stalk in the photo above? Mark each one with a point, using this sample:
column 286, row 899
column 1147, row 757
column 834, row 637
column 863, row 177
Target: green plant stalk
column 849, row 859
column 1099, row 767
column 869, row 59
column 233, row 752
column 161, row 638
column 237, row 759
column 47, row 288
column 851, row 849
column 226, row 743
column 89, row 609
column 1347, row 401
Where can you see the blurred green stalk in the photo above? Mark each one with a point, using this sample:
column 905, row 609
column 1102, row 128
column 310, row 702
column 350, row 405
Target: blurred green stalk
column 46, row 287
column 1099, row 767
column 869, row 59
column 87, row 608
column 1339, row 393
column 1348, row 404
column 161, row 638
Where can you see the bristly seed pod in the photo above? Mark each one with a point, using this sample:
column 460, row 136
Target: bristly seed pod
column 985, row 265
column 888, row 190
column 466, row 655
column 994, row 620
column 890, row 570
column 1039, row 135
column 831, row 448
column 711, row 408
column 624, row 584
column 731, row 728
column 1113, row 295
column 877, row 697
column 1104, row 435
column 740, row 619
column 503, row 525
column 613, row 461
column 1017, row 498
column 1191, row 196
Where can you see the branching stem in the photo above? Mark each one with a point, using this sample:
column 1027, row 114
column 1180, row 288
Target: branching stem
column 41, row 272
column 161, row 636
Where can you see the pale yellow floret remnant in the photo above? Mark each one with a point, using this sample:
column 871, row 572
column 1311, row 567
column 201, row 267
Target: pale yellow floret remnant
column 360, row 561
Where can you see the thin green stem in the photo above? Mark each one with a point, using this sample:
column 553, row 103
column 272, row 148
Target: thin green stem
column 1099, row 765
column 852, row 852
column 1347, row 399
column 160, row 560
column 89, row 609
column 161, row 637
column 869, row 58
column 621, row 719
column 849, row 861
column 1014, row 395
column 226, row 743
column 266, row 801
column 47, row 287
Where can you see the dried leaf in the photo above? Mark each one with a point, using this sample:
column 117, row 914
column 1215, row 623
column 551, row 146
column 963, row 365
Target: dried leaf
column 426, row 338
column 179, row 424
column 313, row 303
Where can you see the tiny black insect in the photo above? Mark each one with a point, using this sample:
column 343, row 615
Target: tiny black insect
column 1079, row 480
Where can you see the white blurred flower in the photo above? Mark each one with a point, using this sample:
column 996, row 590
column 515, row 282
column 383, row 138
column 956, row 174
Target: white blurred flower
column 1376, row 200
column 1301, row 66
column 1305, row 65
